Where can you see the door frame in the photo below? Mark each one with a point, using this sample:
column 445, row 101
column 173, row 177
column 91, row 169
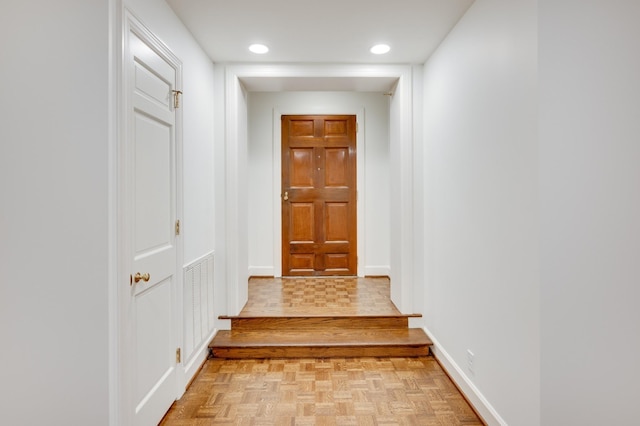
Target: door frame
column 122, row 401
column 403, row 145
column 278, row 112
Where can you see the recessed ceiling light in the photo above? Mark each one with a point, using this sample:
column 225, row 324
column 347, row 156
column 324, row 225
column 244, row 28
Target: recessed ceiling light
column 380, row 49
column 259, row 48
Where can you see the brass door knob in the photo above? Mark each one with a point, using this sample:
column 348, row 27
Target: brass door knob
column 144, row 277
column 286, row 196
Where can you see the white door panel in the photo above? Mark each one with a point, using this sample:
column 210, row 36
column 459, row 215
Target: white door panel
column 152, row 85
column 155, row 357
column 153, row 192
column 152, row 320
column 147, row 58
column 144, row 105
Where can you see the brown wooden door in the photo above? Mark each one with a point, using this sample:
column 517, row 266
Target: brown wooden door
column 319, row 195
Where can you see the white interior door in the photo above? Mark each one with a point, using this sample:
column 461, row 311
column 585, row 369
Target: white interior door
column 152, row 314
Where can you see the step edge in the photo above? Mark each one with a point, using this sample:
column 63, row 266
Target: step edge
column 264, row 344
column 232, row 317
column 312, row 353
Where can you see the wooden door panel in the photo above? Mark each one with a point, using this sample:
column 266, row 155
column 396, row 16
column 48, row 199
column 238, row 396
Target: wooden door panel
column 324, row 248
column 302, row 262
column 319, row 209
column 336, row 167
column 302, row 227
column 336, row 222
column 336, row 262
column 310, row 195
column 335, row 127
column 302, row 128
column 301, row 172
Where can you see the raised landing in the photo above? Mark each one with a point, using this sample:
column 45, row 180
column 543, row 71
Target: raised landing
column 319, row 318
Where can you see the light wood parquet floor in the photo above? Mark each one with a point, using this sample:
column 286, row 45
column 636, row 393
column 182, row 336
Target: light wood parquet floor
column 347, row 391
column 327, row 391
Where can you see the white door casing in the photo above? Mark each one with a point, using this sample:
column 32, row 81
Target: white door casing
column 151, row 322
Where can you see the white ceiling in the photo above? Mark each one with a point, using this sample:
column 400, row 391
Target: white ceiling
column 331, row 31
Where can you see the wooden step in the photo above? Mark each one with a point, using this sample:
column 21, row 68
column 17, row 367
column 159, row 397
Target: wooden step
column 332, row 322
column 363, row 342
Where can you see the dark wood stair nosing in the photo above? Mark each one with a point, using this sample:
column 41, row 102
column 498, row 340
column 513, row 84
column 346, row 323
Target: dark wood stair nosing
column 337, row 316
column 307, row 322
column 307, row 351
column 320, row 338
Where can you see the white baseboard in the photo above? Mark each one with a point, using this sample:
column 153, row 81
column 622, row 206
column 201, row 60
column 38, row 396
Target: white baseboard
column 470, row 391
column 261, row 271
column 377, row 271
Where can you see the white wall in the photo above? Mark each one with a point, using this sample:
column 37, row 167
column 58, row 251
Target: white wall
column 481, row 209
column 263, row 191
column 54, row 212
column 590, row 210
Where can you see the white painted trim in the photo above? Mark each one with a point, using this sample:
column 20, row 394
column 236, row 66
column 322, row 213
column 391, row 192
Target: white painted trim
column 278, row 112
column 401, row 167
column 199, row 259
column 220, row 171
column 377, row 271
column 233, row 90
column 179, row 215
column 277, row 181
column 402, row 285
column 193, row 357
column 114, row 129
column 418, row 189
column 261, row 271
column 123, row 251
column 361, row 193
column 316, row 70
column 471, row 392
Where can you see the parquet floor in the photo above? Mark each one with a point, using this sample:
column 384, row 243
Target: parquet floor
column 337, row 391
column 319, row 296
column 321, row 391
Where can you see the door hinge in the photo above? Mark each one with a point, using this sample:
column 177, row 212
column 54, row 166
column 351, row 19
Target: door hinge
column 178, row 227
column 357, row 127
column 178, row 356
column 176, row 98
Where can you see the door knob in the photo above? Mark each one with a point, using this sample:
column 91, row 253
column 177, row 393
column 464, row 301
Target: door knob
column 286, row 196
column 144, row 277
